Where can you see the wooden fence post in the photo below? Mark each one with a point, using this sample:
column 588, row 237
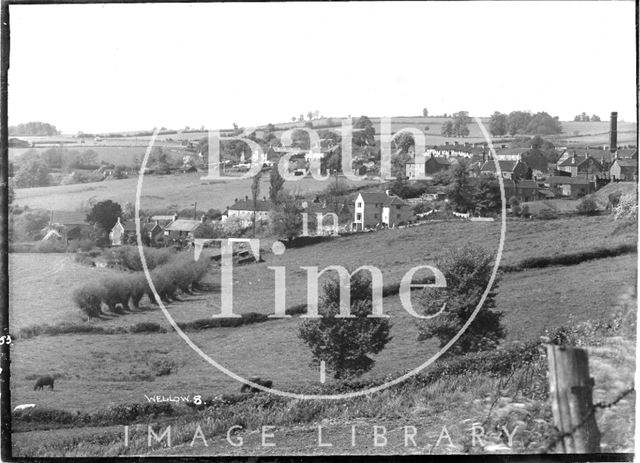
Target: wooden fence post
column 570, row 390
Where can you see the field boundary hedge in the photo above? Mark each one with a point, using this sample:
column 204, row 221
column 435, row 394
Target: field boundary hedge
column 573, row 258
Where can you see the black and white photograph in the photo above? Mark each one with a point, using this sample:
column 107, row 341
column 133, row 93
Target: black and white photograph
column 316, row 229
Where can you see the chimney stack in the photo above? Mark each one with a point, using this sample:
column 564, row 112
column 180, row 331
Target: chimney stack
column 613, row 136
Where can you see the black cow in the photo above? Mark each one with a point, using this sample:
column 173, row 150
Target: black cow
column 43, row 381
column 246, row 388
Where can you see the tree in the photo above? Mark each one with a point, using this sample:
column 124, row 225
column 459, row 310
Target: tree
column 404, row 141
column 467, row 272
column 276, row 183
column 32, row 173
column 366, row 134
column 543, row 124
column 105, row 214
column 447, row 129
column 517, row 122
column 310, row 115
column 425, row 113
column 460, row 121
column 400, row 187
column 286, row 218
column 29, row 225
column 345, row 345
column 255, row 192
column 486, row 196
column 595, row 118
column 459, row 190
column 498, row 124
column 587, row 207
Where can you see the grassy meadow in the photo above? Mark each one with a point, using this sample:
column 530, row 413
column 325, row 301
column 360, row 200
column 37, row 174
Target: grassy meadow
column 531, row 300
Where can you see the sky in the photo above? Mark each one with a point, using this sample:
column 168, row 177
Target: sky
column 105, row 68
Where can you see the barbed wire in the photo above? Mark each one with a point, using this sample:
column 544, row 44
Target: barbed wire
column 597, row 406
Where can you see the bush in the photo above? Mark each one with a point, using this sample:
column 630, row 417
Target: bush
column 117, row 293
column 587, row 207
column 128, row 257
column 89, row 298
column 80, row 245
column 84, row 259
column 146, row 327
column 546, row 214
column 49, row 246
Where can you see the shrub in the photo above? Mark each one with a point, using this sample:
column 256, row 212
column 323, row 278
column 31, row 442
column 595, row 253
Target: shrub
column 138, row 286
column 49, row 246
column 84, row 259
column 117, row 293
column 88, row 298
column 128, row 257
column 587, row 207
column 627, row 207
column 146, row 327
column 80, row 245
column 345, row 344
column 546, row 214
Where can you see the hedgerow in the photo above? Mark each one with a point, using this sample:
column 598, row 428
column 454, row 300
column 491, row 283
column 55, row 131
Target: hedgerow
column 120, row 292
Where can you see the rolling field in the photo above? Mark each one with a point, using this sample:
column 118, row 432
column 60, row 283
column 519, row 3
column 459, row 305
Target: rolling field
column 166, row 191
column 98, row 370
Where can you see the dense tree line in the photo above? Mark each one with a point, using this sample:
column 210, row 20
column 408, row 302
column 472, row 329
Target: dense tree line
column 33, row 129
column 524, row 122
column 584, row 117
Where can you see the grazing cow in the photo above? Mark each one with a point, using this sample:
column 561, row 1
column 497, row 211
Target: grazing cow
column 43, row 381
column 255, row 379
column 23, row 407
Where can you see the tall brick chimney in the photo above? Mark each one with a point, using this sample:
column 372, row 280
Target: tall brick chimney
column 613, row 134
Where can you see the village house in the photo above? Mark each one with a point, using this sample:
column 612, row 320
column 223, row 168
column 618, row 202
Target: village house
column 524, row 190
column 244, row 210
column 181, row 229
column 624, row 169
column 572, row 187
column 70, row 225
column 509, row 169
column 426, row 167
column 379, row 209
column 125, row 232
column 580, row 165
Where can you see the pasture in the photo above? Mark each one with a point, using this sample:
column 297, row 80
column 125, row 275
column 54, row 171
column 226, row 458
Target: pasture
column 161, row 191
column 97, row 370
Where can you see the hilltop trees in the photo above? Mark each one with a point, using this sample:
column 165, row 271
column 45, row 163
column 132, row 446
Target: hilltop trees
column 467, row 272
column 34, row 128
column 523, row 122
column 344, row 344
column 457, row 126
column 584, row 117
column 498, row 124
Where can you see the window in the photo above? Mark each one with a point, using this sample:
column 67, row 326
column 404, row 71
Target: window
column 358, row 216
column 398, row 207
column 398, row 217
column 375, row 216
column 359, row 205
